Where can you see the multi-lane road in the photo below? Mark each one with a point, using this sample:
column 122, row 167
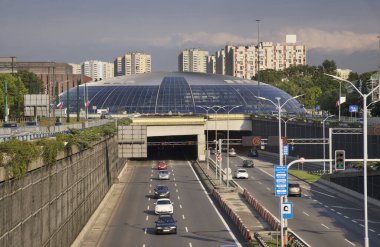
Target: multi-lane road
column 322, row 218
column 198, row 221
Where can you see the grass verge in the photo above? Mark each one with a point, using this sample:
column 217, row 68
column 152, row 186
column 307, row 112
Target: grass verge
column 310, row 178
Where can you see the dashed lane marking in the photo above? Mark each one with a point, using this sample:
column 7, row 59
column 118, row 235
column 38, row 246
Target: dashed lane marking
column 361, row 225
column 183, row 217
column 147, row 207
column 305, row 213
column 151, row 180
column 147, row 217
column 175, row 184
column 150, row 191
column 174, row 179
column 332, row 209
column 372, row 230
column 145, row 230
column 350, row 242
column 190, row 245
column 326, row 206
column 268, row 188
column 180, row 205
column 354, row 221
column 325, row 226
column 150, row 185
column 346, row 217
column 339, row 213
column 176, row 190
column 143, row 245
column 179, row 198
column 148, row 198
column 187, row 230
column 259, row 182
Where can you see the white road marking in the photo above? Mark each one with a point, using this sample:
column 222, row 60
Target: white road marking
column 332, row 209
column 268, row 188
column 325, row 226
column 176, row 190
column 148, row 198
column 147, row 207
column 315, row 200
column 346, row 217
column 174, row 179
column 145, row 230
column 180, row 205
column 326, row 206
column 216, row 210
column 350, row 242
column 175, row 184
column 150, row 191
column 339, row 213
column 259, row 182
column 306, row 195
column 320, row 203
column 190, row 245
column 305, row 214
column 316, row 191
column 340, row 207
column 150, row 185
column 354, row 221
column 266, row 172
column 143, row 245
column 151, row 180
column 361, row 225
column 372, row 230
column 187, row 230
column 147, row 217
column 179, row 198
column 183, row 216
column 378, row 234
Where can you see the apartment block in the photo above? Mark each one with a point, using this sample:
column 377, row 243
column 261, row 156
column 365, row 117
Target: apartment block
column 211, row 64
column 76, row 68
column 193, row 60
column 97, row 70
column 220, row 62
column 133, row 63
column 118, row 69
column 240, row 61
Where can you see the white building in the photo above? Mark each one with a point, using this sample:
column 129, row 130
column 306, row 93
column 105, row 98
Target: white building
column 193, row 60
column 97, row 70
column 343, row 73
column 133, row 63
column 240, row 61
column 76, row 68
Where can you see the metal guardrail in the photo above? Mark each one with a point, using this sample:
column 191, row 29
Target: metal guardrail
column 260, row 240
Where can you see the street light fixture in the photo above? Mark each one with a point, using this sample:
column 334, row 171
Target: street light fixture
column 365, row 151
column 324, row 148
column 228, row 143
column 279, row 108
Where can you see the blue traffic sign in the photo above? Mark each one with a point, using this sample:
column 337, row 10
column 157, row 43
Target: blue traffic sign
column 353, row 108
column 286, row 150
column 280, row 181
column 287, row 210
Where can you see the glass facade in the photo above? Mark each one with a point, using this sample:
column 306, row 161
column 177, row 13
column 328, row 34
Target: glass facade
column 165, row 94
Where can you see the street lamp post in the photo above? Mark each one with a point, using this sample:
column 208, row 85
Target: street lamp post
column 365, row 152
column 282, row 198
column 324, row 147
column 228, row 143
column 258, row 57
column 286, row 129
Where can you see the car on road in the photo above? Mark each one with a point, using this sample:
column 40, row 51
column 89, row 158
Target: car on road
column 294, row 189
column 253, row 153
column 161, row 191
column 212, row 150
column 166, row 224
column 248, row 163
column 241, row 173
column 105, row 116
column 162, row 165
column 163, row 174
column 163, row 206
column 232, row 152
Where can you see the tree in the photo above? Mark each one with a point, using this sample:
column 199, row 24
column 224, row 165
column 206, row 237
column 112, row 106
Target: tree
column 329, row 67
column 375, row 112
column 16, row 91
column 30, row 80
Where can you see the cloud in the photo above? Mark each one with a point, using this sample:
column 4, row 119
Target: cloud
column 341, row 41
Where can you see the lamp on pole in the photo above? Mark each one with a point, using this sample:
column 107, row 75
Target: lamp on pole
column 324, row 147
column 365, row 152
column 258, row 57
column 228, row 143
column 282, row 198
column 216, row 137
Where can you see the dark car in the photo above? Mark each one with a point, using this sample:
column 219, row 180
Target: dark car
column 294, row 189
column 166, row 224
column 58, row 124
column 248, row 163
column 10, row 125
column 31, row 124
column 253, row 153
column 105, row 116
column 161, row 191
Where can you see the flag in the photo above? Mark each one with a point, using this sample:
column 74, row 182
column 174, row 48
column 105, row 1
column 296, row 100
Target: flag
column 337, row 103
column 60, row 105
column 87, row 104
column 342, row 100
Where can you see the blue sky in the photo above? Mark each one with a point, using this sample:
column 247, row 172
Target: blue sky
column 74, row 31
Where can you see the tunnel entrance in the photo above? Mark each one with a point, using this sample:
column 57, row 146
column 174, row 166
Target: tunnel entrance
column 173, row 147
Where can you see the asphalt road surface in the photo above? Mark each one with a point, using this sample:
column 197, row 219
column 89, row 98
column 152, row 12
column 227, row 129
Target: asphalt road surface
column 198, row 222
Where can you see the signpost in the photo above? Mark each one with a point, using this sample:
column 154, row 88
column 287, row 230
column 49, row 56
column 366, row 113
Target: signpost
column 287, row 210
column 280, row 181
column 353, row 108
column 286, row 150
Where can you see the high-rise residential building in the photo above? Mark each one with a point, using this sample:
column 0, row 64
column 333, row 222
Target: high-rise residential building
column 245, row 60
column 220, row 62
column 133, row 63
column 118, row 67
column 193, row 60
column 97, row 70
column 343, row 73
column 211, row 64
column 76, row 68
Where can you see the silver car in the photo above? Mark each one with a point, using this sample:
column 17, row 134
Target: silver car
column 164, row 174
column 232, row 153
column 294, row 189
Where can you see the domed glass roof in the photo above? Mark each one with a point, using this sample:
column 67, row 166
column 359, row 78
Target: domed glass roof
column 162, row 93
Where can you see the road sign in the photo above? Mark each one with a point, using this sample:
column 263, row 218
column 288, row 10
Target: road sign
column 286, row 150
column 287, row 210
column 256, row 141
column 353, row 108
column 280, row 181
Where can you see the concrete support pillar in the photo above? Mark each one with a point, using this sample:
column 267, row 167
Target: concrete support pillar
column 201, row 147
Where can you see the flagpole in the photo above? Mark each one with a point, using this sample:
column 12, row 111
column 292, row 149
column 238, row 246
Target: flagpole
column 85, row 100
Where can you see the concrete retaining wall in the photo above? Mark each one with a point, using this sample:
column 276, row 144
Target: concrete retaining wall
column 50, row 204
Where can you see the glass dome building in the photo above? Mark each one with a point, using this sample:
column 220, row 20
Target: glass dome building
column 177, row 92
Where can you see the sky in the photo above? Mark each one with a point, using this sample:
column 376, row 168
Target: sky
column 345, row 31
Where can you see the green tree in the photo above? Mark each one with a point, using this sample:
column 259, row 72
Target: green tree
column 30, row 80
column 375, row 111
column 16, row 91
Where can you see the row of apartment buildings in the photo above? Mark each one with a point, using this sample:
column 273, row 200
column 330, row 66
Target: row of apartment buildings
column 132, row 63
column 244, row 60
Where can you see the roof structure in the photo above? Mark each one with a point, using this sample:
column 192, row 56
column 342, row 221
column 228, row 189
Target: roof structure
column 178, row 92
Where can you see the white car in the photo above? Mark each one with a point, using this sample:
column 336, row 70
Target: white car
column 163, row 174
column 163, row 206
column 241, row 173
column 232, row 152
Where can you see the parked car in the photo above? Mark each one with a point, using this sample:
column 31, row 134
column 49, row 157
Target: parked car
column 253, row 153
column 166, row 224
column 248, row 163
column 161, row 191
column 163, row 206
column 232, row 152
column 241, row 173
column 58, row 123
column 105, row 116
column 10, row 125
column 31, row 124
column 212, row 150
column 162, row 165
column 294, row 189
column 163, row 174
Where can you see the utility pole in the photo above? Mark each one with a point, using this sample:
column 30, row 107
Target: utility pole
column 68, row 97
column 78, row 110
column 258, row 57
column 6, row 111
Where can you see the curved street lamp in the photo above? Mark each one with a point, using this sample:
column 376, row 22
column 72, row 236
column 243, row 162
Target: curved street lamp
column 324, row 148
column 228, row 143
